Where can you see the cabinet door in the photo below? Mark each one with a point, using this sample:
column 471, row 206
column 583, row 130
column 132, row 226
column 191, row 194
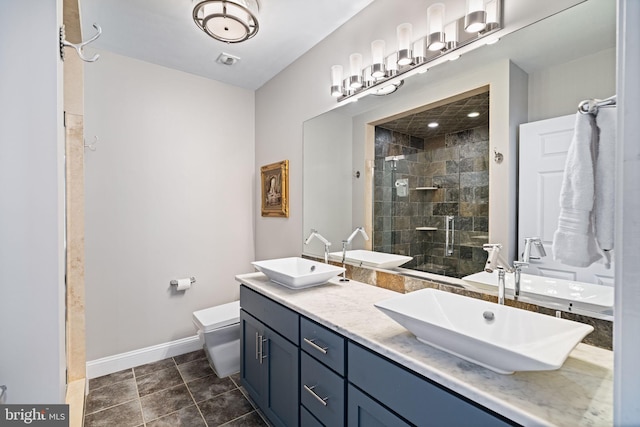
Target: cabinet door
column 281, row 363
column 252, row 374
column 362, row 411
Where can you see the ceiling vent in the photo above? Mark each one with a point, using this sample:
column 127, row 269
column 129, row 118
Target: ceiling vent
column 227, row 59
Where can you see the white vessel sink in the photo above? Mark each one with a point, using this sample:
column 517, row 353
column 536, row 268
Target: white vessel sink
column 570, row 295
column 501, row 338
column 297, row 273
column 371, row 258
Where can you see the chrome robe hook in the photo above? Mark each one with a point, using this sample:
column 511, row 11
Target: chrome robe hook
column 78, row 47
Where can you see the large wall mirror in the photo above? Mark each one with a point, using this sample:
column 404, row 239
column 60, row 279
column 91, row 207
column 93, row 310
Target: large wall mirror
column 377, row 164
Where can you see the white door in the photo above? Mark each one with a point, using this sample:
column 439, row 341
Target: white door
column 543, row 151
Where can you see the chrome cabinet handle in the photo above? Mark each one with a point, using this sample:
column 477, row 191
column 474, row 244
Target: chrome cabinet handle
column 257, row 352
column 313, row 344
column 314, row 394
column 261, row 342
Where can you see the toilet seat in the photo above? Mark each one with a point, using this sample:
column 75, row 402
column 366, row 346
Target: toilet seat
column 217, row 317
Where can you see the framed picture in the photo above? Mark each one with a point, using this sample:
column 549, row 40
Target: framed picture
column 275, row 189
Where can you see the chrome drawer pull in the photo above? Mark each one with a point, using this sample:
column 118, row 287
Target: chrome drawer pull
column 313, row 393
column 312, row 343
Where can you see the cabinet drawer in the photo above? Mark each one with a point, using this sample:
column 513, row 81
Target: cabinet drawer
column 416, row 398
column 323, row 344
column 278, row 317
column 321, row 391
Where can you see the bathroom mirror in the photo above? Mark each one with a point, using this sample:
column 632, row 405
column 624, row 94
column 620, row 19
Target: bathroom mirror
column 535, row 73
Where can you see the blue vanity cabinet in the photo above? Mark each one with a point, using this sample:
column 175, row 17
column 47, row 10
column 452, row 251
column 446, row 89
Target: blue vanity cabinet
column 418, row 400
column 322, row 372
column 269, row 368
column 363, row 411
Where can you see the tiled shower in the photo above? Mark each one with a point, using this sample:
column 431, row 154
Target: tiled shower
column 418, row 184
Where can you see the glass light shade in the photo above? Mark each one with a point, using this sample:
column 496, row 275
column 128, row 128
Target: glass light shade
column 231, row 21
column 451, row 32
column 404, row 34
column 435, row 27
column 492, row 12
column 392, row 65
column 377, row 54
column 475, row 19
column 336, row 80
column 420, row 49
column 355, row 74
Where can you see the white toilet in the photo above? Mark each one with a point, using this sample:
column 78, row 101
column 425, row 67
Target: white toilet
column 219, row 330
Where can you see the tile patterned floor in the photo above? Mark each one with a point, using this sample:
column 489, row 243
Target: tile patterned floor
column 181, row 391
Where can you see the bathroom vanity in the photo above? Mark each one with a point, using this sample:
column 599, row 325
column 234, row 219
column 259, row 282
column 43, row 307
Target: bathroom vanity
column 326, row 356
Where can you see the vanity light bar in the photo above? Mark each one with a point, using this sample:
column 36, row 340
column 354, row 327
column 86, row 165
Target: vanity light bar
column 436, row 47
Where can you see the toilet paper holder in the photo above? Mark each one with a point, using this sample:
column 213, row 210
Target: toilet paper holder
column 175, row 282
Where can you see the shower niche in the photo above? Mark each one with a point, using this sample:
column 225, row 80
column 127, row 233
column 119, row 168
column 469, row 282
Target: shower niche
column 431, row 187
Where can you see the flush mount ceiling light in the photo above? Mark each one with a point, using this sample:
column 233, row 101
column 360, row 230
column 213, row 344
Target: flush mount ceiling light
column 383, row 72
column 230, row 21
column 473, row 114
column 433, row 125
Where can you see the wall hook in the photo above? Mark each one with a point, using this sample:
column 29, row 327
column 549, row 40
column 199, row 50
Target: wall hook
column 92, row 147
column 78, row 47
column 497, row 156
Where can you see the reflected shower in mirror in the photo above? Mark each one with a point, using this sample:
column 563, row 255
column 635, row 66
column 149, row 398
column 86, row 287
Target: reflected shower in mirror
column 431, row 187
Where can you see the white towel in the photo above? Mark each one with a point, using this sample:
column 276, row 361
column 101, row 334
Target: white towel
column 604, row 205
column 574, row 241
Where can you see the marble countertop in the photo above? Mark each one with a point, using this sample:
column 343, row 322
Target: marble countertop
column 578, row 394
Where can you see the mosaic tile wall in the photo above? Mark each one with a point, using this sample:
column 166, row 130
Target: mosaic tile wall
column 458, row 164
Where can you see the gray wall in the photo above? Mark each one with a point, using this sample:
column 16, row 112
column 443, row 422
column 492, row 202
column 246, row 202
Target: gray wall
column 169, row 194
column 32, row 340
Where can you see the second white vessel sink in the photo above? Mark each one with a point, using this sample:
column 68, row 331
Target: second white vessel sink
column 371, row 258
column 498, row 337
column 297, row 273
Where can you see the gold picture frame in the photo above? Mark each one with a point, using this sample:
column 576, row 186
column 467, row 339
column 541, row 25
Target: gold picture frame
column 275, row 189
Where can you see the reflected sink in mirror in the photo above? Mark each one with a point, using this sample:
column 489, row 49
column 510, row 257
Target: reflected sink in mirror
column 501, row 338
column 361, row 257
column 579, row 297
column 297, row 273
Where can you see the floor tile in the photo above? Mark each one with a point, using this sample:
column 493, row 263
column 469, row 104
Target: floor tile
column 186, row 417
column 159, row 380
column 252, row 419
column 115, row 377
column 209, row 387
column 124, row 415
column 196, row 369
column 165, row 402
column 189, row 357
column 150, row 368
column 110, row 395
column 224, row 408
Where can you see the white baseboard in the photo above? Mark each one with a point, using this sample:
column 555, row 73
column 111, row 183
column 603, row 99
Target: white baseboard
column 108, row 365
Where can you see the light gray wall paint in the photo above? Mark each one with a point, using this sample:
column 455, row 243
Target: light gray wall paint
column 32, row 340
column 169, row 194
column 557, row 90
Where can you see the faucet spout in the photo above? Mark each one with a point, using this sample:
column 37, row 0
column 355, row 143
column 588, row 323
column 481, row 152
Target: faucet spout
column 344, row 248
column 315, row 234
column 526, row 257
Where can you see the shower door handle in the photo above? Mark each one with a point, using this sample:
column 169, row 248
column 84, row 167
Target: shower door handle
column 449, row 235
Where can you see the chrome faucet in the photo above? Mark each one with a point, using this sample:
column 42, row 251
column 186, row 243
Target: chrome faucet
column 344, row 248
column 493, row 250
column 526, row 256
column 314, row 233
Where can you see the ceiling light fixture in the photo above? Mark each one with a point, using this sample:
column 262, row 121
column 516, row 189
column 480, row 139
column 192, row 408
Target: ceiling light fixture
column 433, row 125
column 473, row 114
column 230, row 21
column 443, row 41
